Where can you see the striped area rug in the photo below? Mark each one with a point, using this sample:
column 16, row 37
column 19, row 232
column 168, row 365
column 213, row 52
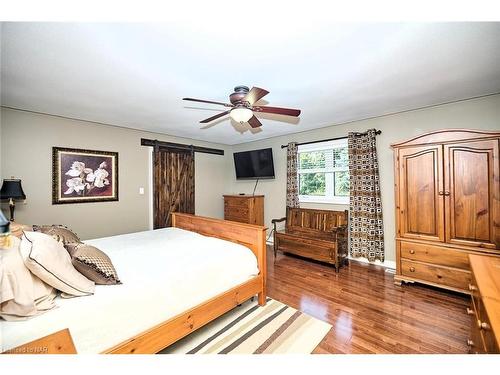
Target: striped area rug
column 253, row 329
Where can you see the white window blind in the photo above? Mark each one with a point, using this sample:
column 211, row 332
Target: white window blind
column 323, row 172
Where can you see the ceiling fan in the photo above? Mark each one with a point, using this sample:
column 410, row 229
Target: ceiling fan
column 243, row 108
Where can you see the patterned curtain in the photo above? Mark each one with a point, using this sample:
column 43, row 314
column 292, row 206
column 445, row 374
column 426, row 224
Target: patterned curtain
column 366, row 229
column 292, row 182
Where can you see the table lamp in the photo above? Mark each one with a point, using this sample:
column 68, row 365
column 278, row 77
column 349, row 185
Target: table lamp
column 12, row 190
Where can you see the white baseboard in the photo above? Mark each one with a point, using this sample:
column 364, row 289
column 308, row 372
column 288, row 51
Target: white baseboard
column 387, row 263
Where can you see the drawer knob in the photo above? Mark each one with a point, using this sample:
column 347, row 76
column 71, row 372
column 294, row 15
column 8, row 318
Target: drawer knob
column 472, row 287
column 412, row 269
column 412, row 251
column 470, row 311
column 470, row 342
column 483, row 325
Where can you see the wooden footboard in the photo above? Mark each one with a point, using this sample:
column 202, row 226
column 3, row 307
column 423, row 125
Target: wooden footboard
column 164, row 334
column 251, row 236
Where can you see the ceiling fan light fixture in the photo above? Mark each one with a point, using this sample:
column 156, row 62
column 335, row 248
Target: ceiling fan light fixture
column 241, row 114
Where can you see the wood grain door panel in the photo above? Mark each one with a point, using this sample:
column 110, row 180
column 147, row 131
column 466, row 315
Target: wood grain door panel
column 472, row 193
column 173, row 184
column 421, row 207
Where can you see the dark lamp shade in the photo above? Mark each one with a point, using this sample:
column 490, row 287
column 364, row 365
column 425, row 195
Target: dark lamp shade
column 12, row 189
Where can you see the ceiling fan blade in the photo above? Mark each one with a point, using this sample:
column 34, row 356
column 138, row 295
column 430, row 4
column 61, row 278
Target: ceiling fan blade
column 254, row 122
column 254, row 95
column 208, row 101
column 278, row 110
column 214, row 117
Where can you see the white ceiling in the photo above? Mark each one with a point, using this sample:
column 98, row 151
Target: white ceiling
column 135, row 74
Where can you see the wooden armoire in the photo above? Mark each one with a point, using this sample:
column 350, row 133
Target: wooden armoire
column 447, row 186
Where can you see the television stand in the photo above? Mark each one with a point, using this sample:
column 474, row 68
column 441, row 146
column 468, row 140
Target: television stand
column 244, row 208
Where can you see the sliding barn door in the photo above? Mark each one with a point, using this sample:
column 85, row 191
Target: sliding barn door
column 173, row 184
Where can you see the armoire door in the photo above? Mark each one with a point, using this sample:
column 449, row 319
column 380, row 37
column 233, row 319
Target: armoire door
column 421, row 210
column 472, row 193
column 173, row 185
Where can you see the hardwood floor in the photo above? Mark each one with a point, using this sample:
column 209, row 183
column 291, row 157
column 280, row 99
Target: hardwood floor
column 369, row 314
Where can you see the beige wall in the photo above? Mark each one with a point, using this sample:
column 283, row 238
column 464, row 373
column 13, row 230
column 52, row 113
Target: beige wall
column 483, row 113
column 26, row 152
column 27, row 139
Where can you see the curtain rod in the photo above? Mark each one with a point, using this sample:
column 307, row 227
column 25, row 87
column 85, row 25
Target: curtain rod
column 377, row 132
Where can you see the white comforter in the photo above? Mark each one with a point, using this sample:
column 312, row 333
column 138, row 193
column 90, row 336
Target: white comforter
column 164, row 272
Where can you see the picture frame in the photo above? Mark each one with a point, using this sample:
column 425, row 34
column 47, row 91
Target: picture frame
column 83, row 176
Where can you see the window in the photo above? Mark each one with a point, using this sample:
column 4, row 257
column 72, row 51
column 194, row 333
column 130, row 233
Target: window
column 324, row 172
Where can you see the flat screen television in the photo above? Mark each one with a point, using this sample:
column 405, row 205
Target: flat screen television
column 254, row 164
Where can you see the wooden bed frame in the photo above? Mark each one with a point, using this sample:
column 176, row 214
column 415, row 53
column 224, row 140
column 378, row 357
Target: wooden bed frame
column 164, row 334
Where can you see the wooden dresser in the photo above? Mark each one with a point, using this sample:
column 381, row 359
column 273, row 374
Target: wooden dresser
column 244, row 208
column 485, row 311
column 447, row 187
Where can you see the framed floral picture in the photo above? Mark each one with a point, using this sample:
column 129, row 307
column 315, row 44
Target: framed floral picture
column 80, row 176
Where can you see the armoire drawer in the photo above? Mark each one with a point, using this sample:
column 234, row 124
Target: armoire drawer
column 434, row 254
column 452, row 277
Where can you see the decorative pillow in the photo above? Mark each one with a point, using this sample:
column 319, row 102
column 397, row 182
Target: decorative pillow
column 93, row 263
column 58, row 232
column 49, row 260
column 22, row 294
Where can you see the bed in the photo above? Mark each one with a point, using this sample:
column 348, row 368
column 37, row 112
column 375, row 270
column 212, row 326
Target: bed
column 176, row 280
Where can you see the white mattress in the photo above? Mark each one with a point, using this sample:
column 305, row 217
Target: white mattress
column 164, row 272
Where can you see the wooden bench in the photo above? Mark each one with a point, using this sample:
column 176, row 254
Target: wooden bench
column 314, row 234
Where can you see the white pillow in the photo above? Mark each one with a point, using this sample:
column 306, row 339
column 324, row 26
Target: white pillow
column 48, row 259
column 22, row 294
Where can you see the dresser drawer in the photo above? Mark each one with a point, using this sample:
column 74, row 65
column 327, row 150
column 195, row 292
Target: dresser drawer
column 237, row 202
column 236, row 211
column 475, row 342
column 435, row 255
column 490, row 343
column 484, row 325
column 452, row 277
column 239, row 219
column 475, row 297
